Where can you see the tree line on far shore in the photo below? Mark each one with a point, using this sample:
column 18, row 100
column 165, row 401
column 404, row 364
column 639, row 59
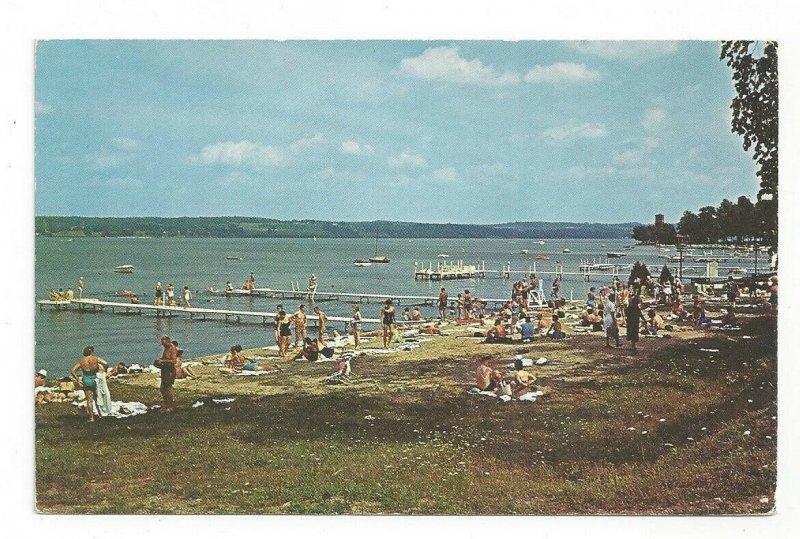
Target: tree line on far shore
column 740, row 222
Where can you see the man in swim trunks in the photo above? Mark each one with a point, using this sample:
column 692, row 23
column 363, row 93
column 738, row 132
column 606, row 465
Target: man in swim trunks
column 322, row 332
column 89, row 364
column 442, row 303
column 299, row 326
column 167, row 362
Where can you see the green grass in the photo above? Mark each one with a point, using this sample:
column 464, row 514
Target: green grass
column 289, row 444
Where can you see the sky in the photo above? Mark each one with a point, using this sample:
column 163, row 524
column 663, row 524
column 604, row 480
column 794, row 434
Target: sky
column 428, row 131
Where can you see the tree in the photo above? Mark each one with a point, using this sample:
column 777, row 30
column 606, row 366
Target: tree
column 689, row 225
column 710, row 231
column 638, row 270
column 755, row 116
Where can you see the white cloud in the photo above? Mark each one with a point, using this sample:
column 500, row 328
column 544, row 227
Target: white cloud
column 445, row 63
column 626, row 50
column 407, row 158
column 307, row 142
column 566, row 133
column 561, row 72
column 444, row 175
column 582, row 171
column 494, row 169
column 654, row 118
column 104, row 160
column 355, row 148
column 628, row 158
column 241, row 153
column 41, row 108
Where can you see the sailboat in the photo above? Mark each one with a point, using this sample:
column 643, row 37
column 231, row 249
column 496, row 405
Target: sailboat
column 378, row 259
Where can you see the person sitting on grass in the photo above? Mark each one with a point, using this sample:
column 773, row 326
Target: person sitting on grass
column 416, row 314
column 678, row 310
column 181, row 371
column 527, row 330
column 523, row 382
column 234, row 361
column 497, row 333
column 116, row 370
column 655, row 322
column 541, row 323
column 699, row 318
column 310, row 350
column 555, row 331
column 486, row 378
column 592, row 320
column 729, row 316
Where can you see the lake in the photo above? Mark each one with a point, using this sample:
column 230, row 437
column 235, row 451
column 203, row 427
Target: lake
column 201, row 264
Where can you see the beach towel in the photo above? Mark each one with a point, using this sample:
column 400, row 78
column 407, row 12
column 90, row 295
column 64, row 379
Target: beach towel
column 121, row 410
column 103, row 394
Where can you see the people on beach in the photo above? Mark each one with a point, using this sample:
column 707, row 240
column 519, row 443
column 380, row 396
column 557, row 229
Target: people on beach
column 527, row 330
column 167, row 362
column 300, row 322
column 40, row 378
column 633, row 320
column 556, row 331
column 486, row 377
column 234, row 360
column 497, row 333
column 416, row 314
column 406, row 316
column 442, row 303
column 655, row 322
column 610, row 318
column 89, row 364
column 309, row 351
column 388, row 322
column 159, row 300
column 181, row 371
column 522, row 382
column 355, row 325
column 322, row 324
column 284, row 333
column 276, row 324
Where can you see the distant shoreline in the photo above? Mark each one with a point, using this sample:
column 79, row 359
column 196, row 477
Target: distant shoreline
column 256, row 227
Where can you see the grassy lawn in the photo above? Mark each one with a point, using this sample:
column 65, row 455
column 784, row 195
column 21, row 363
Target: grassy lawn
column 658, row 432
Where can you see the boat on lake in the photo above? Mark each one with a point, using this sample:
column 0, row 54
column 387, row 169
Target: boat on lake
column 361, row 263
column 523, row 251
column 541, row 257
column 233, row 257
column 615, row 255
column 378, row 259
column 442, row 255
column 125, row 268
column 566, row 251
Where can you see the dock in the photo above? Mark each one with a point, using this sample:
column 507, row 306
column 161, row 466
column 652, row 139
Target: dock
column 198, row 313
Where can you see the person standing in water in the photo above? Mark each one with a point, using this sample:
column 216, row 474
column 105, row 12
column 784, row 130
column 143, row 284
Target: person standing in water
column 89, row 364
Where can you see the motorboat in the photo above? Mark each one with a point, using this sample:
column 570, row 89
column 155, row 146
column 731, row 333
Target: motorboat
column 361, row 263
column 125, row 268
column 541, row 242
column 523, row 251
column 566, row 251
column 615, row 255
column 379, row 259
column 442, row 255
column 233, row 257
column 541, row 257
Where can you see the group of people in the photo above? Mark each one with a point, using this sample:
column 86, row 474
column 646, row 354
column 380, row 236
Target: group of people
column 61, row 295
column 94, row 371
column 487, row 378
column 167, row 296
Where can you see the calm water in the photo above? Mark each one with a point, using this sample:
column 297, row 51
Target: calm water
column 202, row 263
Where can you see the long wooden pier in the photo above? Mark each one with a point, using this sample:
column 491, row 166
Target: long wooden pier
column 200, row 313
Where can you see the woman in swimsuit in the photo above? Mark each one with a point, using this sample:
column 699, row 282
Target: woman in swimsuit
column 356, row 324
column 284, row 333
column 89, row 364
column 388, row 321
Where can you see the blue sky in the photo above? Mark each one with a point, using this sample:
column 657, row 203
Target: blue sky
column 434, row 131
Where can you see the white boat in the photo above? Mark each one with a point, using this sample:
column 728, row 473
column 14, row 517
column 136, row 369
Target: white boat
column 541, row 242
column 361, row 263
column 737, row 271
column 125, row 268
column 442, row 255
column 523, row 251
column 566, row 251
column 233, row 257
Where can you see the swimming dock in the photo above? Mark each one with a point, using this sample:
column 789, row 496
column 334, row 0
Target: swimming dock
column 199, row 313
